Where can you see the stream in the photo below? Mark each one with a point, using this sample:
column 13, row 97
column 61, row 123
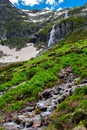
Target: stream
column 36, row 116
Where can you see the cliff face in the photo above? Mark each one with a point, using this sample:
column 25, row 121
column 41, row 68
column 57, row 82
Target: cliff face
column 69, row 26
column 73, row 26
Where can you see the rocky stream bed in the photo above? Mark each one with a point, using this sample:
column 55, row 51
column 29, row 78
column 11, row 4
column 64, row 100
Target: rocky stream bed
column 36, row 116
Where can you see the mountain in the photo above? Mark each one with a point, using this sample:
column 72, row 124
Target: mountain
column 14, row 29
column 48, row 92
column 19, row 27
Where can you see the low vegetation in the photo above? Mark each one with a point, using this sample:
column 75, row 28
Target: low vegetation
column 72, row 112
column 23, row 81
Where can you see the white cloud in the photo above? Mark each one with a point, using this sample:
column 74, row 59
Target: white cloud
column 14, row 1
column 59, row 9
column 51, row 2
column 27, row 2
column 61, row 1
column 32, row 2
column 47, row 8
column 36, row 2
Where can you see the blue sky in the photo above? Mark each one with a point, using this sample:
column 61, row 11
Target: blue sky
column 48, row 4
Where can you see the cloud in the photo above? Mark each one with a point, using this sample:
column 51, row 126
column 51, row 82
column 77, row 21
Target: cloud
column 47, row 8
column 59, row 9
column 61, row 1
column 32, row 2
column 14, row 1
column 27, row 2
column 51, row 2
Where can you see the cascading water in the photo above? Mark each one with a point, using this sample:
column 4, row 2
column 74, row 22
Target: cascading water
column 52, row 36
column 66, row 14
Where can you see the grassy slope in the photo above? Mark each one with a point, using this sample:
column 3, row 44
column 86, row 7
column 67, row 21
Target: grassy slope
column 71, row 112
column 40, row 73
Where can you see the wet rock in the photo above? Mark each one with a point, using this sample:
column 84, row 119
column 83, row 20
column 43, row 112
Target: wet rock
column 11, row 126
column 61, row 98
column 37, row 122
column 47, row 94
column 30, row 109
column 26, row 123
column 61, row 76
column 46, row 120
column 84, row 81
column 29, row 114
column 19, row 119
column 42, row 107
column 59, row 89
column 40, row 104
column 42, row 128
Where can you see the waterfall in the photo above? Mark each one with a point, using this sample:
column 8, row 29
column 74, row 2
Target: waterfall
column 52, row 36
column 66, row 14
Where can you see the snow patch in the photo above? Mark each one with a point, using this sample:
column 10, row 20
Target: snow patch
column 14, row 56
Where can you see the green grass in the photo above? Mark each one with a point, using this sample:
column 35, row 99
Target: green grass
column 71, row 112
column 40, row 73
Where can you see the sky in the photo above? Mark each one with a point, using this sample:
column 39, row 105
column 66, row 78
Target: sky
column 47, row 4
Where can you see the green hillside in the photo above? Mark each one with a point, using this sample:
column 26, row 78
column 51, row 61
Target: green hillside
column 40, row 73
column 48, row 92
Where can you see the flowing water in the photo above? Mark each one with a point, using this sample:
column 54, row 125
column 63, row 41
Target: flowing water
column 37, row 116
column 66, row 15
column 52, row 36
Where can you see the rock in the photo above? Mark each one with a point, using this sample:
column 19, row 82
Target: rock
column 19, row 119
column 61, row 76
column 61, row 98
column 27, row 123
column 46, row 120
column 47, row 94
column 29, row 114
column 11, row 126
column 84, row 81
column 37, row 122
column 41, row 107
column 42, row 128
column 30, row 109
column 79, row 128
column 44, row 109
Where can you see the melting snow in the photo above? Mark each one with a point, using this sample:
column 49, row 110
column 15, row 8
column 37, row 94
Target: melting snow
column 14, row 56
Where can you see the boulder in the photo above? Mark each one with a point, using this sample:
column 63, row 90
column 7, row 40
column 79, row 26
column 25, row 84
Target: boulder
column 30, row 109
column 37, row 121
column 11, row 126
column 47, row 94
